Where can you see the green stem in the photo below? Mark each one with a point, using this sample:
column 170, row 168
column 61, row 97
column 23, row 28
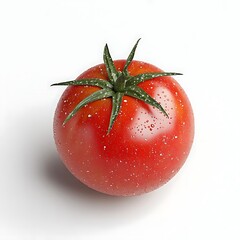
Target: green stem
column 120, row 84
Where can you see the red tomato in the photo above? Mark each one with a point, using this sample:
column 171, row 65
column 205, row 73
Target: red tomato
column 143, row 150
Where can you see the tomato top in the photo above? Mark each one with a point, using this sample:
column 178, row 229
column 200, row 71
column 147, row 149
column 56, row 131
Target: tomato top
column 119, row 83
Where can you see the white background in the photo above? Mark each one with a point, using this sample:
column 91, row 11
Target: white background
column 47, row 41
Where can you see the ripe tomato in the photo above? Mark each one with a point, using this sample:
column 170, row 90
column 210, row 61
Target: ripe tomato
column 142, row 150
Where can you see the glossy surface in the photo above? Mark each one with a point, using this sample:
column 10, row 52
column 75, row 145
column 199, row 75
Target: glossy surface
column 143, row 150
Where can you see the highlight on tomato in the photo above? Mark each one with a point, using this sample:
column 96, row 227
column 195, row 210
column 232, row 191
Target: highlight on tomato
column 123, row 127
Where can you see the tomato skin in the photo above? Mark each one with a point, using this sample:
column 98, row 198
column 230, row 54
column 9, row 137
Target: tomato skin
column 143, row 150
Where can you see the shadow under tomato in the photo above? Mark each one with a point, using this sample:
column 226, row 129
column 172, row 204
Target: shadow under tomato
column 97, row 211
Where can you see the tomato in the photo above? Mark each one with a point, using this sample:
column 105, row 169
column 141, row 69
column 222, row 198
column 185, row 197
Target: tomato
column 145, row 146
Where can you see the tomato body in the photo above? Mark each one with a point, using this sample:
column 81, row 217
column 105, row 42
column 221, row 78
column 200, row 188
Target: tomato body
column 143, row 150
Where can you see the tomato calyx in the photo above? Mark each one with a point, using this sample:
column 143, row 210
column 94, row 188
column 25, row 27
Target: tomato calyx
column 119, row 83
